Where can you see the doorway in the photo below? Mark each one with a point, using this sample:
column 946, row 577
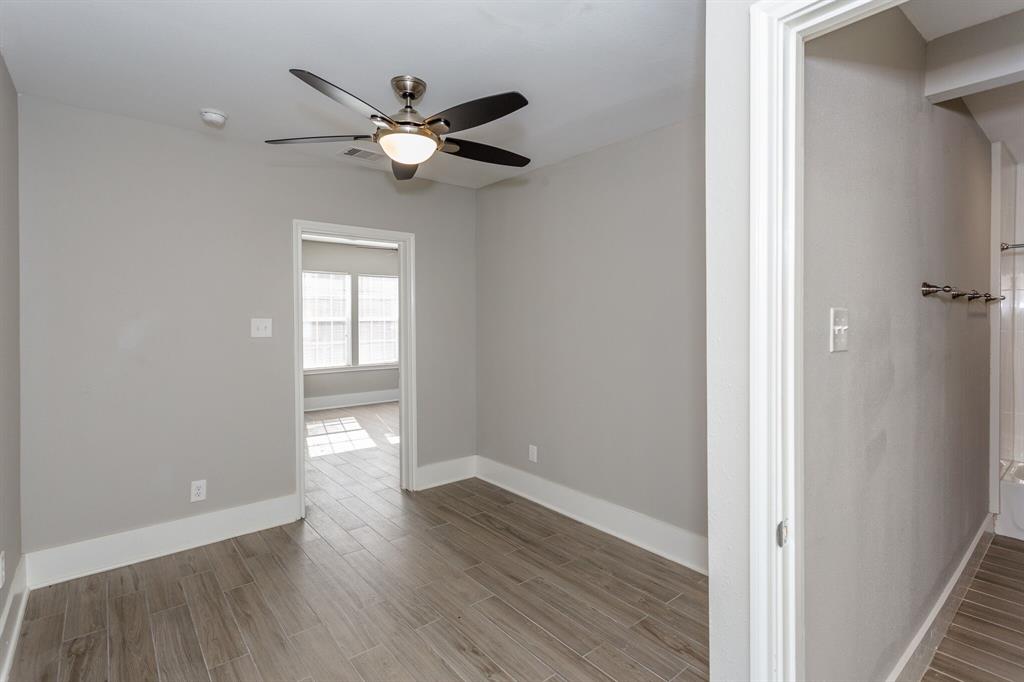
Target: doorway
column 354, row 359
column 801, row 312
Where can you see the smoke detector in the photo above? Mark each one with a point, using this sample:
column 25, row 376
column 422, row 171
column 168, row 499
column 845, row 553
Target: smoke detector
column 213, row 117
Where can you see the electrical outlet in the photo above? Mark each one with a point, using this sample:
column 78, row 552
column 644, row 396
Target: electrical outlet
column 198, row 491
column 533, row 453
column 3, row 569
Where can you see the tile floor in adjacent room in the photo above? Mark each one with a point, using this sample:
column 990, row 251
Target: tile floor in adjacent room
column 985, row 641
column 461, row 582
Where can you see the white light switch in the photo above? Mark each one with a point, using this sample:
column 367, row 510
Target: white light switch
column 261, row 327
column 839, row 330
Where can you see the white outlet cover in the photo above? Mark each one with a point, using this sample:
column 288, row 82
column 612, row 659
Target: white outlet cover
column 197, row 491
column 261, row 327
column 533, row 453
column 3, row 569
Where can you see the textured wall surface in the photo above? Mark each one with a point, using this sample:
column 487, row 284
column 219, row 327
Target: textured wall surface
column 145, row 251
column 896, row 432
column 727, row 164
column 591, row 323
column 10, row 419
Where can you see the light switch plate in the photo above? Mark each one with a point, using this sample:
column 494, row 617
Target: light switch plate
column 261, row 327
column 839, row 330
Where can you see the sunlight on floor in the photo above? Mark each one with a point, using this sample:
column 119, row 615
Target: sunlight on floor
column 336, row 436
column 357, row 447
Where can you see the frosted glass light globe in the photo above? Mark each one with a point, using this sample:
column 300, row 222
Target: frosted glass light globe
column 408, row 148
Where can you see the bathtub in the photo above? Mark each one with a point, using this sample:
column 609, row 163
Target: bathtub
column 1010, row 520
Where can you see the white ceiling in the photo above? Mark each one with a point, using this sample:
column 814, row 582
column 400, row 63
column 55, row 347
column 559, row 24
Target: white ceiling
column 935, row 18
column 594, row 72
column 1000, row 113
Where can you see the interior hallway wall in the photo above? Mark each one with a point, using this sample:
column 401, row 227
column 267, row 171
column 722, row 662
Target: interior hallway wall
column 10, row 411
column 145, row 251
column 727, row 233
column 591, row 323
column 896, row 434
column 354, row 260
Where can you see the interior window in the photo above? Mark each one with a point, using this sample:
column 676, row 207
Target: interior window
column 326, row 320
column 378, row 320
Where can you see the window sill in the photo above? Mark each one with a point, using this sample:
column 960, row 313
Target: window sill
column 356, row 368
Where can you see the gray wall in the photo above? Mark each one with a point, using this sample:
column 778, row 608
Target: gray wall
column 10, row 429
column 355, row 260
column 591, row 323
column 145, row 251
column 727, row 225
column 896, row 432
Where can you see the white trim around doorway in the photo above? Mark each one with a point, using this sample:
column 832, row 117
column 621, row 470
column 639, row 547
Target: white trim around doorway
column 406, row 338
column 778, row 31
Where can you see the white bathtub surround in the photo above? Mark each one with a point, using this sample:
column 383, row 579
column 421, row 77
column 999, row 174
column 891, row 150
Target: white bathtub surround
column 1010, row 520
column 1007, row 208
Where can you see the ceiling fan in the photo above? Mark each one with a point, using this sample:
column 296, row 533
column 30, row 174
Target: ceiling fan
column 408, row 138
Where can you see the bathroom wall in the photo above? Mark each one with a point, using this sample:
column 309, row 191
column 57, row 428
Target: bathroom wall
column 896, row 455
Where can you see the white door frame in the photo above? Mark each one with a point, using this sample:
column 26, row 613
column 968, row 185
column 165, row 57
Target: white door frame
column 406, row 341
column 778, row 31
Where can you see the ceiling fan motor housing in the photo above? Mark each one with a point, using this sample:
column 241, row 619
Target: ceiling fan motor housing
column 409, row 88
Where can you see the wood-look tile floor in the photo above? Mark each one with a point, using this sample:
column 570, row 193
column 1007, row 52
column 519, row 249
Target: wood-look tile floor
column 461, row 582
column 985, row 641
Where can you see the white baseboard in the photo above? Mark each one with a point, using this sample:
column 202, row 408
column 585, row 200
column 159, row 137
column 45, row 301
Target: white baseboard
column 57, row 564
column 331, row 402
column 10, row 619
column 449, row 471
column 664, row 539
column 986, row 526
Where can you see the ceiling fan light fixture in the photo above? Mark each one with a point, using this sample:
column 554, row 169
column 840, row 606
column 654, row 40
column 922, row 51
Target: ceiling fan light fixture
column 409, row 139
column 409, row 146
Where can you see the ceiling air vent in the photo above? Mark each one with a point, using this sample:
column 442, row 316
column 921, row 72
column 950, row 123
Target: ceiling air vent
column 362, row 154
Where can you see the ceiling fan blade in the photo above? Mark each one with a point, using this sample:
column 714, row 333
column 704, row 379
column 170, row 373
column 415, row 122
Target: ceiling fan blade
column 403, row 171
column 339, row 95
column 477, row 112
column 320, row 138
column 483, row 152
